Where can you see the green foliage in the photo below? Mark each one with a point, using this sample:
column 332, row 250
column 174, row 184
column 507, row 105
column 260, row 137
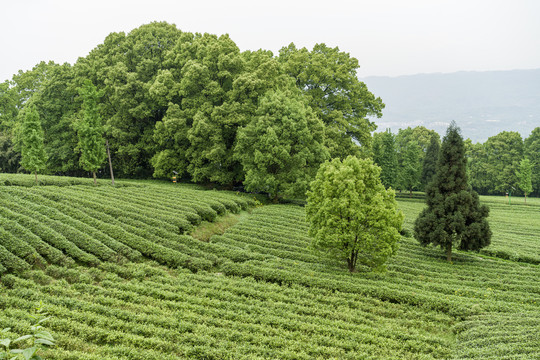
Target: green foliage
column 37, row 340
column 9, row 158
column 90, row 130
column 532, row 152
column 385, row 156
column 454, row 216
column 261, row 286
column 282, row 146
column 429, row 167
column 504, row 151
column 33, row 157
column 175, row 101
column 411, row 167
column 351, row 215
column 8, row 106
column 328, row 78
column 58, row 105
column 525, row 176
column 107, row 224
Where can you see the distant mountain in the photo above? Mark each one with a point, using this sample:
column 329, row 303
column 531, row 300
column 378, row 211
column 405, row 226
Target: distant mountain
column 482, row 103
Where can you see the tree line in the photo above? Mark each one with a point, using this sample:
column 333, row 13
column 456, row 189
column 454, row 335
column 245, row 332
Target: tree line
column 504, row 163
column 172, row 101
column 195, row 104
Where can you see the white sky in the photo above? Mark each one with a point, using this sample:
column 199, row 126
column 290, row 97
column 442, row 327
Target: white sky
column 388, row 37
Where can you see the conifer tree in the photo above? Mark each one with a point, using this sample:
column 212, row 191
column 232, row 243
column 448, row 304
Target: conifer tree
column 33, row 157
column 454, row 215
column 90, row 131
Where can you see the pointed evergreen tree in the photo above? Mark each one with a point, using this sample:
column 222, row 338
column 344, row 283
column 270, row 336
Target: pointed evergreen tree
column 429, row 167
column 454, row 215
column 90, row 131
column 33, row 157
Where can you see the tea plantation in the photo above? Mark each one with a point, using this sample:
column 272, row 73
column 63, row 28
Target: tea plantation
column 122, row 278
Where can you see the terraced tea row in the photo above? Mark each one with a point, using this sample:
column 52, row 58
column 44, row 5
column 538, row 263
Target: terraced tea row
column 515, row 227
column 255, row 292
column 472, row 288
column 143, row 311
column 56, row 225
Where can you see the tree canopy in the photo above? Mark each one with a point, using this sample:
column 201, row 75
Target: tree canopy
column 352, row 216
column 525, row 176
column 176, row 101
column 90, row 130
column 33, row 156
column 282, row 146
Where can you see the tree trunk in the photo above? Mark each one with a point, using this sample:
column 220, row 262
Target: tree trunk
column 95, row 181
column 350, row 265
column 449, row 252
column 35, row 173
column 351, row 262
column 525, row 198
column 110, row 162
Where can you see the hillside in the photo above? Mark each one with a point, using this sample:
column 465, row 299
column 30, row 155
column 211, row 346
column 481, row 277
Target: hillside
column 482, row 103
column 122, row 278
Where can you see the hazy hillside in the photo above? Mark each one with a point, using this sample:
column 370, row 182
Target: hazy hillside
column 482, row 103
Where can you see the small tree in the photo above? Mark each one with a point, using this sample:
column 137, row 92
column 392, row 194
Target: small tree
column 351, row 215
column 90, row 131
column 33, row 157
column 454, row 216
column 525, row 177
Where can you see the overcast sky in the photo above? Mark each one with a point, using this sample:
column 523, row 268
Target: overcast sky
column 388, row 37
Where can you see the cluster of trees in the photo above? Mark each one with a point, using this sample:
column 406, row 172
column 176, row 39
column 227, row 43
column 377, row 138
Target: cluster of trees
column 197, row 105
column 353, row 217
column 505, row 162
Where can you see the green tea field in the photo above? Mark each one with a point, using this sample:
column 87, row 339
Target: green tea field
column 121, row 276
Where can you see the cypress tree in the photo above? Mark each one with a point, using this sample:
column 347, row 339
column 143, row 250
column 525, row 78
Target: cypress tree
column 454, row 215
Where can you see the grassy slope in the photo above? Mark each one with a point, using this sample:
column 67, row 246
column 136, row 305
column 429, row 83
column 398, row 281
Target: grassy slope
column 253, row 292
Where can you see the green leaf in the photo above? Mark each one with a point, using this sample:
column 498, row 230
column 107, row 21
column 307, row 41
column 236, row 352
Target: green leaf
column 44, row 319
column 5, row 330
column 5, row 342
column 29, row 352
column 44, row 342
column 22, row 338
column 44, row 335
